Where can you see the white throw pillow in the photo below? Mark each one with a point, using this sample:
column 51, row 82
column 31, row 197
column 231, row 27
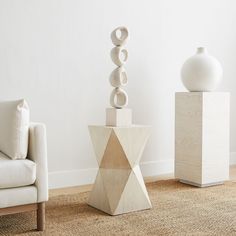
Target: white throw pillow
column 14, row 128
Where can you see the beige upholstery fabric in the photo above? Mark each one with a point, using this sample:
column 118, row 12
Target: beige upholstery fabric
column 14, row 128
column 38, row 154
column 18, row 196
column 16, row 173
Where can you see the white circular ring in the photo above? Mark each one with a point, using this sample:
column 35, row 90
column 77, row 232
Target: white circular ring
column 119, row 55
column 122, row 39
column 118, row 77
column 118, row 98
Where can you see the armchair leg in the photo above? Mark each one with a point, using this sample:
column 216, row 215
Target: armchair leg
column 41, row 216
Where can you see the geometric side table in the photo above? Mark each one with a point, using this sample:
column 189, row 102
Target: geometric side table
column 202, row 137
column 119, row 187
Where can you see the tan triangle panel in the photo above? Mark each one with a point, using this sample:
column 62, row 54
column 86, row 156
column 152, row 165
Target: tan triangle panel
column 133, row 197
column 133, row 141
column 114, row 156
column 114, row 182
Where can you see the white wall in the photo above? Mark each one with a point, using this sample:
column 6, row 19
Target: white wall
column 55, row 53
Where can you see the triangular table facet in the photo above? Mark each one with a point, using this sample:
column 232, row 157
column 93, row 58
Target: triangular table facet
column 119, row 187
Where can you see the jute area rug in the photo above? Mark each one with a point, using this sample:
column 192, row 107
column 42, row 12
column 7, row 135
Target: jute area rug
column 178, row 209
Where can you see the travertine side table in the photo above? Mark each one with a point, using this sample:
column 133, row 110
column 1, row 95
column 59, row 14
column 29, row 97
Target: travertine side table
column 119, row 187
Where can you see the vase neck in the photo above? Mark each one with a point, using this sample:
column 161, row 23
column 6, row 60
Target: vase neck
column 201, row 50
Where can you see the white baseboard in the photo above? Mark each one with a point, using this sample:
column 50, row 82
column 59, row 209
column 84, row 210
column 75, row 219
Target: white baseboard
column 155, row 168
column 63, row 179
column 69, row 178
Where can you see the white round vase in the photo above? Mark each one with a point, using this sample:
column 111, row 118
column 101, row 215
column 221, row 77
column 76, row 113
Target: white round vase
column 201, row 72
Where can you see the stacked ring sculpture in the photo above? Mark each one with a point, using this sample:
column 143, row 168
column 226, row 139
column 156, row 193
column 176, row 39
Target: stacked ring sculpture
column 118, row 77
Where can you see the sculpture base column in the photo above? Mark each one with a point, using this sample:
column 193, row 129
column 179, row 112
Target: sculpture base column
column 118, row 117
column 119, row 187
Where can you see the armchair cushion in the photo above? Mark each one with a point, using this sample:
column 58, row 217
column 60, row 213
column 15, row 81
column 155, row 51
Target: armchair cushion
column 10, row 197
column 14, row 128
column 16, row 173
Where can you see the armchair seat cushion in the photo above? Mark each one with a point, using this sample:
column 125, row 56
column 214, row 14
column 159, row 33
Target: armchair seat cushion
column 16, row 173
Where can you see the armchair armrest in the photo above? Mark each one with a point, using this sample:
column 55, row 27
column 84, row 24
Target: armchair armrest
column 37, row 152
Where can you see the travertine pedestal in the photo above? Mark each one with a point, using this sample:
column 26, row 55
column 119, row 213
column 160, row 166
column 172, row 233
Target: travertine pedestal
column 119, row 186
column 202, row 137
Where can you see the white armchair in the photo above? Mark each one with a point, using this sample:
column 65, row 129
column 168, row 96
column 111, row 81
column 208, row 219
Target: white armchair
column 24, row 183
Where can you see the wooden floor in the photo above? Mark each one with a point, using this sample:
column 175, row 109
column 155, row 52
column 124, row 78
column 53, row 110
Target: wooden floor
column 85, row 188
